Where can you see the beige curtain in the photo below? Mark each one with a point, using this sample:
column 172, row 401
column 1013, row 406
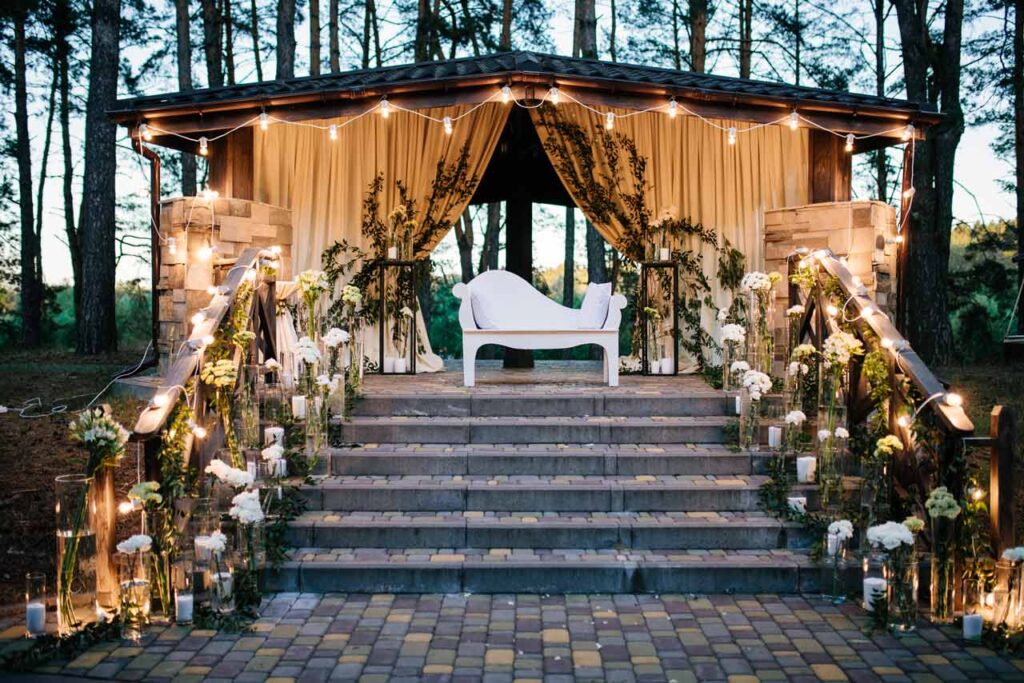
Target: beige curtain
column 693, row 171
column 324, row 182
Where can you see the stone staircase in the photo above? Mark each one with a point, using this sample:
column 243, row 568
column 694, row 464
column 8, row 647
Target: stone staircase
column 538, row 490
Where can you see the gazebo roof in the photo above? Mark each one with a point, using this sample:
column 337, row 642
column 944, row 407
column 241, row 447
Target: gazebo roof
column 473, row 79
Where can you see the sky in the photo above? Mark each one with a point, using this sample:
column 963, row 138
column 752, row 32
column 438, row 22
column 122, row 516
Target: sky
column 977, row 194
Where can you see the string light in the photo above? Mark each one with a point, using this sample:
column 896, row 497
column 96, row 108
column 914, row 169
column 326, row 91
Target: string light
column 954, row 400
column 198, row 318
column 794, row 120
column 204, row 146
column 264, row 121
column 208, row 340
column 832, row 310
column 732, row 135
column 159, row 401
column 125, row 507
column 332, row 131
column 977, row 494
column 172, row 246
column 903, row 421
column 553, row 95
column 214, row 290
column 849, row 142
column 250, row 275
column 867, row 312
column 209, row 195
column 145, row 132
column 198, row 431
column 385, row 107
column 909, row 192
column 276, row 249
column 506, row 94
column 908, row 132
column 673, row 108
column 898, row 239
column 447, row 125
column 609, row 120
column 206, row 253
column 886, row 343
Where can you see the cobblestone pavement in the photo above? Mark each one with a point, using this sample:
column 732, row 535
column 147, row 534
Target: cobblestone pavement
column 310, row 638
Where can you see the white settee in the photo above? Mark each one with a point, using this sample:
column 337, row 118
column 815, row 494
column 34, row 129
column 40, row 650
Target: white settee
column 499, row 307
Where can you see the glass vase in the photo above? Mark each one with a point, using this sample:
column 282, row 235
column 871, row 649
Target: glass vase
column 728, row 356
column 247, row 407
column 832, row 432
column 272, row 401
column 183, row 582
column 943, row 572
column 76, row 553
column 901, row 567
column 1008, row 604
column 251, row 558
column 133, row 581
column 750, row 416
column 875, row 584
column 760, row 337
column 220, row 581
column 835, row 552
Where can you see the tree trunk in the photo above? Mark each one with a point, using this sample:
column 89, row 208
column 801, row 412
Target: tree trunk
column 184, row 54
column 62, row 30
column 229, row 42
column 1018, row 138
column 254, row 28
column 314, row 37
column 421, row 46
column 371, row 6
column 97, row 327
column 335, row 37
column 489, row 252
column 612, row 33
column 366, row 36
column 464, row 238
column 698, row 35
column 569, row 267
column 285, row 38
column 211, row 43
column 931, row 72
column 597, row 268
column 797, row 40
column 677, row 53
column 746, row 12
column 506, row 26
column 43, row 169
column 881, row 157
column 585, row 30
column 31, row 287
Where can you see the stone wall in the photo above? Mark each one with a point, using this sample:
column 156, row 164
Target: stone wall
column 860, row 231
column 188, row 225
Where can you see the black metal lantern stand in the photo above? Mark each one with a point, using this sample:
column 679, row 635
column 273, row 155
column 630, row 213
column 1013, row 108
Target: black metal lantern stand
column 663, row 270
column 402, row 270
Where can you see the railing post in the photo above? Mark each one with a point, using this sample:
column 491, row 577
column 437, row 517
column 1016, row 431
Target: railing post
column 1003, row 432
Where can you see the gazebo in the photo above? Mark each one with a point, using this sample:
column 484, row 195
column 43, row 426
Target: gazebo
column 754, row 162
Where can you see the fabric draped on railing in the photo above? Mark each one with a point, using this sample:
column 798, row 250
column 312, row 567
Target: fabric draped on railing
column 692, row 172
column 324, row 182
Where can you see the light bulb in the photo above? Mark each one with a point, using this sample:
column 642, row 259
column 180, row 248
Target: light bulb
column 954, row 400
column 867, row 312
column 145, row 132
column 909, row 192
column 908, row 132
column 125, row 507
column 172, row 246
column 553, row 95
column 204, row 147
column 506, row 94
column 332, row 131
column 856, row 281
column 210, row 195
column 673, row 108
column 276, row 249
column 899, row 239
column 805, row 263
column 609, row 120
column 903, row 421
column 197, row 430
column 732, row 135
column 447, row 121
column 886, row 343
column 205, row 253
column 977, row 494
column 849, row 142
column 159, row 401
column 208, row 340
column 385, row 107
column 250, row 275
column 832, row 310
column 198, row 318
column 794, row 120
column 264, row 121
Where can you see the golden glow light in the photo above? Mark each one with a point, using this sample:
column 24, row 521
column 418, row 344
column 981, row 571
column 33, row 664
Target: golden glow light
column 172, row 246
column 609, row 120
column 954, row 400
column 198, row 318
column 160, row 400
column 732, row 135
column 899, row 239
column 204, row 146
column 385, row 107
column 209, row 195
column 198, row 431
column 832, row 310
column 867, row 312
column 506, row 94
column 250, row 275
column 903, row 421
column 849, row 142
column 264, row 121
column 125, row 507
column 205, row 253
column 447, row 125
column 794, row 120
column 276, row 249
column 977, row 494
column 909, row 192
column 886, row 343
column 908, row 132
column 332, row 131
column 145, row 132
column 208, row 340
column 673, row 108
column 553, row 95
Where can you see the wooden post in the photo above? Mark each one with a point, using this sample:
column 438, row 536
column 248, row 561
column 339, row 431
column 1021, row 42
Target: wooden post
column 830, row 168
column 904, row 223
column 1003, row 433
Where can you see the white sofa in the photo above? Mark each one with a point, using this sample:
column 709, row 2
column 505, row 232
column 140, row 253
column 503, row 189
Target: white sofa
column 499, row 307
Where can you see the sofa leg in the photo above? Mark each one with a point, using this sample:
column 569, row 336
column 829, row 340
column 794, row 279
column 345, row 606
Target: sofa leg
column 611, row 354
column 468, row 364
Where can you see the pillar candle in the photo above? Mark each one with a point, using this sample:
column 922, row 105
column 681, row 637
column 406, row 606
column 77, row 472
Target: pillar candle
column 400, row 366
column 874, row 587
column 806, row 469
column 774, row 437
column 273, row 435
column 972, row 626
column 739, row 406
column 35, row 618
column 183, row 603
column 299, row 407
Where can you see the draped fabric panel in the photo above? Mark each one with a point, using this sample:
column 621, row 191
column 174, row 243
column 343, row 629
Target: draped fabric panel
column 693, row 171
column 324, row 182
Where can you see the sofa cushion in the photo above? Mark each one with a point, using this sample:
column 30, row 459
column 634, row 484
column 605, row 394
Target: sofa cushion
column 594, row 310
column 485, row 311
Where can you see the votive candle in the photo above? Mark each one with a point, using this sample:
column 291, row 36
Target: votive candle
column 739, row 405
column 806, row 469
column 35, row 619
column 774, row 436
column 874, row 588
column 183, row 604
column 972, row 626
column 299, row 407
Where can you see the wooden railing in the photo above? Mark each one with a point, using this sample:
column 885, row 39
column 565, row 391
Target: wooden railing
column 911, row 383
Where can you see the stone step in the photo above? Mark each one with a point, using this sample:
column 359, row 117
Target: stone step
column 541, row 493
column 454, row 570
column 545, row 404
column 548, row 459
column 476, row 529
column 531, row 430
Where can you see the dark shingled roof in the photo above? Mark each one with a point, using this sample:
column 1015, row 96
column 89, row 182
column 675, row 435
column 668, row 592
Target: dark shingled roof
column 511, row 63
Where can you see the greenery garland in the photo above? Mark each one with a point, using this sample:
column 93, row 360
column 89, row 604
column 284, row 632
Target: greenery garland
column 51, row 647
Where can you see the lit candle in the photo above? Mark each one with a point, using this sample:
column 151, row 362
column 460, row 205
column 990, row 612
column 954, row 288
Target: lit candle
column 273, row 435
column 183, row 603
column 739, row 405
column 972, row 626
column 392, row 253
column 774, row 437
column 299, row 407
column 223, row 585
column 250, row 467
column 874, row 588
column 35, row 618
column 806, row 468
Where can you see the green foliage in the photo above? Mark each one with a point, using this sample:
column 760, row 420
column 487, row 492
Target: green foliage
column 52, row 647
column 238, row 621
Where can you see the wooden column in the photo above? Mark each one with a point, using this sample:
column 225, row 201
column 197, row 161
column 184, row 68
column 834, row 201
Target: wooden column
column 231, row 165
column 830, row 168
column 519, row 260
column 902, row 230
column 1002, row 431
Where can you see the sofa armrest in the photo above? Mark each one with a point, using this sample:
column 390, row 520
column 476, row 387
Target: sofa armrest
column 466, row 319
column 615, row 306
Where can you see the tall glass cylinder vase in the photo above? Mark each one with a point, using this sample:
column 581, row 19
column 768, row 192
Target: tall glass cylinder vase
column 221, row 582
column 760, row 338
column 133, row 577
column 831, row 428
column 729, row 354
column 252, row 556
column 943, row 570
column 103, row 521
column 1007, row 596
column 76, row 553
column 876, row 583
column 750, row 415
column 835, row 552
column 901, row 567
column 247, row 409
column 354, row 364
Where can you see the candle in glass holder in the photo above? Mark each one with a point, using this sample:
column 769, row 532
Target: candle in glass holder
column 806, row 468
column 273, row 435
column 35, row 604
column 874, row 588
column 739, row 405
column 183, row 604
column 972, row 626
column 774, row 437
column 299, row 407
column 832, row 544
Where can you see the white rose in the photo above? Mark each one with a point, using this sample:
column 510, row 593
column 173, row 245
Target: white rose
column 136, row 543
column 795, row 418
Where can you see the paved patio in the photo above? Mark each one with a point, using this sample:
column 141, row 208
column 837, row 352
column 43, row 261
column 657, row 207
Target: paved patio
column 551, row 638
